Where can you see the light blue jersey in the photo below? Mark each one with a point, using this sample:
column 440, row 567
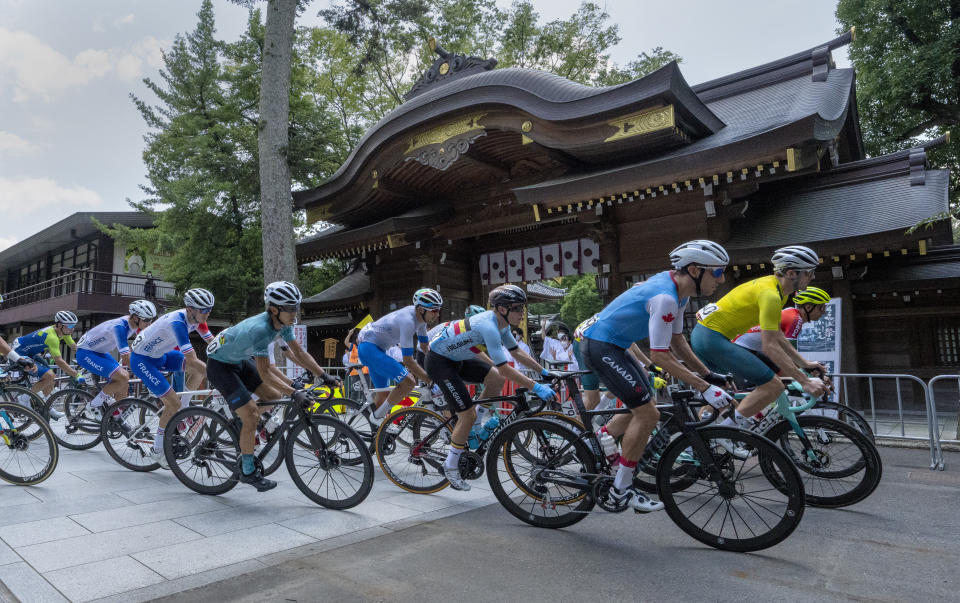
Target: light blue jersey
column 247, row 338
column 649, row 309
column 464, row 339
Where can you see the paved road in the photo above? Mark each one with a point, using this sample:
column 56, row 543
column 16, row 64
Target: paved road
column 900, row 544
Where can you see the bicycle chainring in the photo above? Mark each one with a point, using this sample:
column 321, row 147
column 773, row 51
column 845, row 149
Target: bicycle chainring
column 471, row 465
column 601, row 493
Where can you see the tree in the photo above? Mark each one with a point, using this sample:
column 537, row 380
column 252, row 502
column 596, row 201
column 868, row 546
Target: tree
column 581, row 301
column 907, row 57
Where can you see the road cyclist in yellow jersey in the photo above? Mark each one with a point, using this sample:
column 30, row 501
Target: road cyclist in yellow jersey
column 47, row 340
column 758, row 302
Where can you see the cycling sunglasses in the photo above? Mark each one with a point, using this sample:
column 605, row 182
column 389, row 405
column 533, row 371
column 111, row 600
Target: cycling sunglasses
column 288, row 308
column 716, row 271
column 204, row 310
column 516, row 308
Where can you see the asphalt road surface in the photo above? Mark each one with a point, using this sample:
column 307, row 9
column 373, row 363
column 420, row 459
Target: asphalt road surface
column 902, row 543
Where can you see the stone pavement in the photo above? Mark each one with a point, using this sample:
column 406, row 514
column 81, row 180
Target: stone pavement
column 95, row 530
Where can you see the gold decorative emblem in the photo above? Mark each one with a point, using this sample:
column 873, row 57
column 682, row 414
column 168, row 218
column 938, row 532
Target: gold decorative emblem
column 319, row 212
column 444, row 68
column 445, row 132
column 642, row 123
column 526, row 126
column 398, row 239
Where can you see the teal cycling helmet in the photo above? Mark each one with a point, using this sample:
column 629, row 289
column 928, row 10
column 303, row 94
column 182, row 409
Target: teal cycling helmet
column 473, row 311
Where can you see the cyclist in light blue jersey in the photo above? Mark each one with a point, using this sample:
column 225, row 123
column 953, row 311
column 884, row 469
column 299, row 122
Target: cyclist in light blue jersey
column 242, row 381
column 95, row 348
column 653, row 309
column 454, row 356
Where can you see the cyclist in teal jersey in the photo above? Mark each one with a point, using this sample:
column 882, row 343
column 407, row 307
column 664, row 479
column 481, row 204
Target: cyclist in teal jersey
column 242, row 381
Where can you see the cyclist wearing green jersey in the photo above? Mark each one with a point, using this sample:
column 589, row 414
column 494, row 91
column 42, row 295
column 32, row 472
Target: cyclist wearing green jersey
column 758, row 302
column 242, row 381
column 48, row 340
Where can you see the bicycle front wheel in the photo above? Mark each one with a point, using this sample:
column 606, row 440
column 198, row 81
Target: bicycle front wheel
column 840, row 468
column 321, row 470
column 349, row 411
column 536, row 468
column 79, row 427
column 28, row 449
column 24, row 396
column 849, row 416
column 729, row 503
column 128, row 430
column 411, row 444
column 203, row 449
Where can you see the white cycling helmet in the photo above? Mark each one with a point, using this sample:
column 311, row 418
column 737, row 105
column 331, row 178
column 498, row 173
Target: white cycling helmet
column 427, row 298
column 144, row 309
column 282, row 293
column 794, row 257
column 198, row 298
column 65, row 317
column 700, row 252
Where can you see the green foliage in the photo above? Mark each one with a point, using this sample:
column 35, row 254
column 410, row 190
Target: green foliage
column 581, row 301
column 907, row 57
column 316, row 277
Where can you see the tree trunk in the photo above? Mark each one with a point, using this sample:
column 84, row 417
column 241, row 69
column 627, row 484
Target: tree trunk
column 279, row 256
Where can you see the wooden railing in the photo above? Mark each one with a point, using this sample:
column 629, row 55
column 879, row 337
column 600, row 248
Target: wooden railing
column 87, row 281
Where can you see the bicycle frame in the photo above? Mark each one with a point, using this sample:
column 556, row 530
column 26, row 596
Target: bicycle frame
column 783, row 410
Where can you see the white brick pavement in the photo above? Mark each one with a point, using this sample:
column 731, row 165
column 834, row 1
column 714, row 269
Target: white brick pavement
column 95, row 531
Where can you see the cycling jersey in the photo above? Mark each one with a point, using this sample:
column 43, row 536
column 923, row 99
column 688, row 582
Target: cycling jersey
column 168, row 332
column 107, row 337
column 464, row 339
column 651, row 309
column 396, row 328
column 38, row 342
column 790, row 324
column 249, row 337
column 755, row 302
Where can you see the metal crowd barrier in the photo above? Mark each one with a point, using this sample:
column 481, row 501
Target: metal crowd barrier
column 932, row 394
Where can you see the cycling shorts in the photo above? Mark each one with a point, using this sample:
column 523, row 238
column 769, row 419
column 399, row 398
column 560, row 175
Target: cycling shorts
column 98, row 363
column 383, row 368
column 623, row 375
column 449, row 375
column 723, row 356
column 150, row 370
column 235, row 382
column 42, row 367
column 589, row 381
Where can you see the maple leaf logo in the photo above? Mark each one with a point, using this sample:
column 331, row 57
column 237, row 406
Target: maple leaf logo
column 668, row 317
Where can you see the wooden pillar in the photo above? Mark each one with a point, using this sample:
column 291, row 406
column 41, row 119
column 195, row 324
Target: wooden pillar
column 609, row 239
column 848, row 340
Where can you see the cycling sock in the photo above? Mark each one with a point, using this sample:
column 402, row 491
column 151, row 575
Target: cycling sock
column 381, row 411
column 99, row 400
column 624, row 477
column 453, row 455
column 158, row 441
column 185, row 400
column 608, row 401
column 247, row 461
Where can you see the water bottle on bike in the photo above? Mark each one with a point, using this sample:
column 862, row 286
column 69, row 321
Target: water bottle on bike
column 488, row 428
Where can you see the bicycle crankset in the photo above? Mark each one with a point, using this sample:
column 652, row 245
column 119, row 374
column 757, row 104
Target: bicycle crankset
column 601, row 493
column 471, row 465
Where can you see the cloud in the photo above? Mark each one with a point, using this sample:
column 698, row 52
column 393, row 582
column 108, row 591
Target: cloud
column 124, row 20
column 17, row 194
column 12, row 145
column 33, row 69
column 7, row 242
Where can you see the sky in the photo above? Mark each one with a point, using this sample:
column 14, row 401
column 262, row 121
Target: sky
column 71, row 139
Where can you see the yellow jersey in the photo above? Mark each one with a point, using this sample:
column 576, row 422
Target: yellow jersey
column 755, row 302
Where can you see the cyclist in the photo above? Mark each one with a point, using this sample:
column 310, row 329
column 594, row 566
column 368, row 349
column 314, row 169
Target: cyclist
column 47, row 340
column 242, row 381
column 153, row 352
column 96, row 346
column 654, row 309
column 757, row 301
column 589, row 381
column 11, row 356
column 398, row 328
column 454, row 357
column 809, row 306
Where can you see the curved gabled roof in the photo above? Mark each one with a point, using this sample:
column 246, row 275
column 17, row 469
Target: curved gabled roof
column 542, row 95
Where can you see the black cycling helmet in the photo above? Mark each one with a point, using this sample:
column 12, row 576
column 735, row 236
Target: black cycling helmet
column 506, row 295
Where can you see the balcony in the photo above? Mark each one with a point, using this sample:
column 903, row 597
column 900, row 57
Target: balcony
column 83, row 292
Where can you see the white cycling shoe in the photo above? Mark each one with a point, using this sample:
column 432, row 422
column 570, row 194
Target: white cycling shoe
column 159, row 457
column 640, row 502
column 456, row 480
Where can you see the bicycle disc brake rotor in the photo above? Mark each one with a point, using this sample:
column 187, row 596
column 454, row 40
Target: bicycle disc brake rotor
column 471, row 465
column 601, row 493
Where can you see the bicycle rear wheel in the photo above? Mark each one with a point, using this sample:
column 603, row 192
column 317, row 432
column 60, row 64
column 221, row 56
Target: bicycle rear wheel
column 24, row 396
column 348, row 411
column 407, row 452
column 547, row 490
column 79, row 427
column 128, row 430
column 847, row 468
column 204, row 450
column 731, row 505
column 28, row 448
column 322, row 471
